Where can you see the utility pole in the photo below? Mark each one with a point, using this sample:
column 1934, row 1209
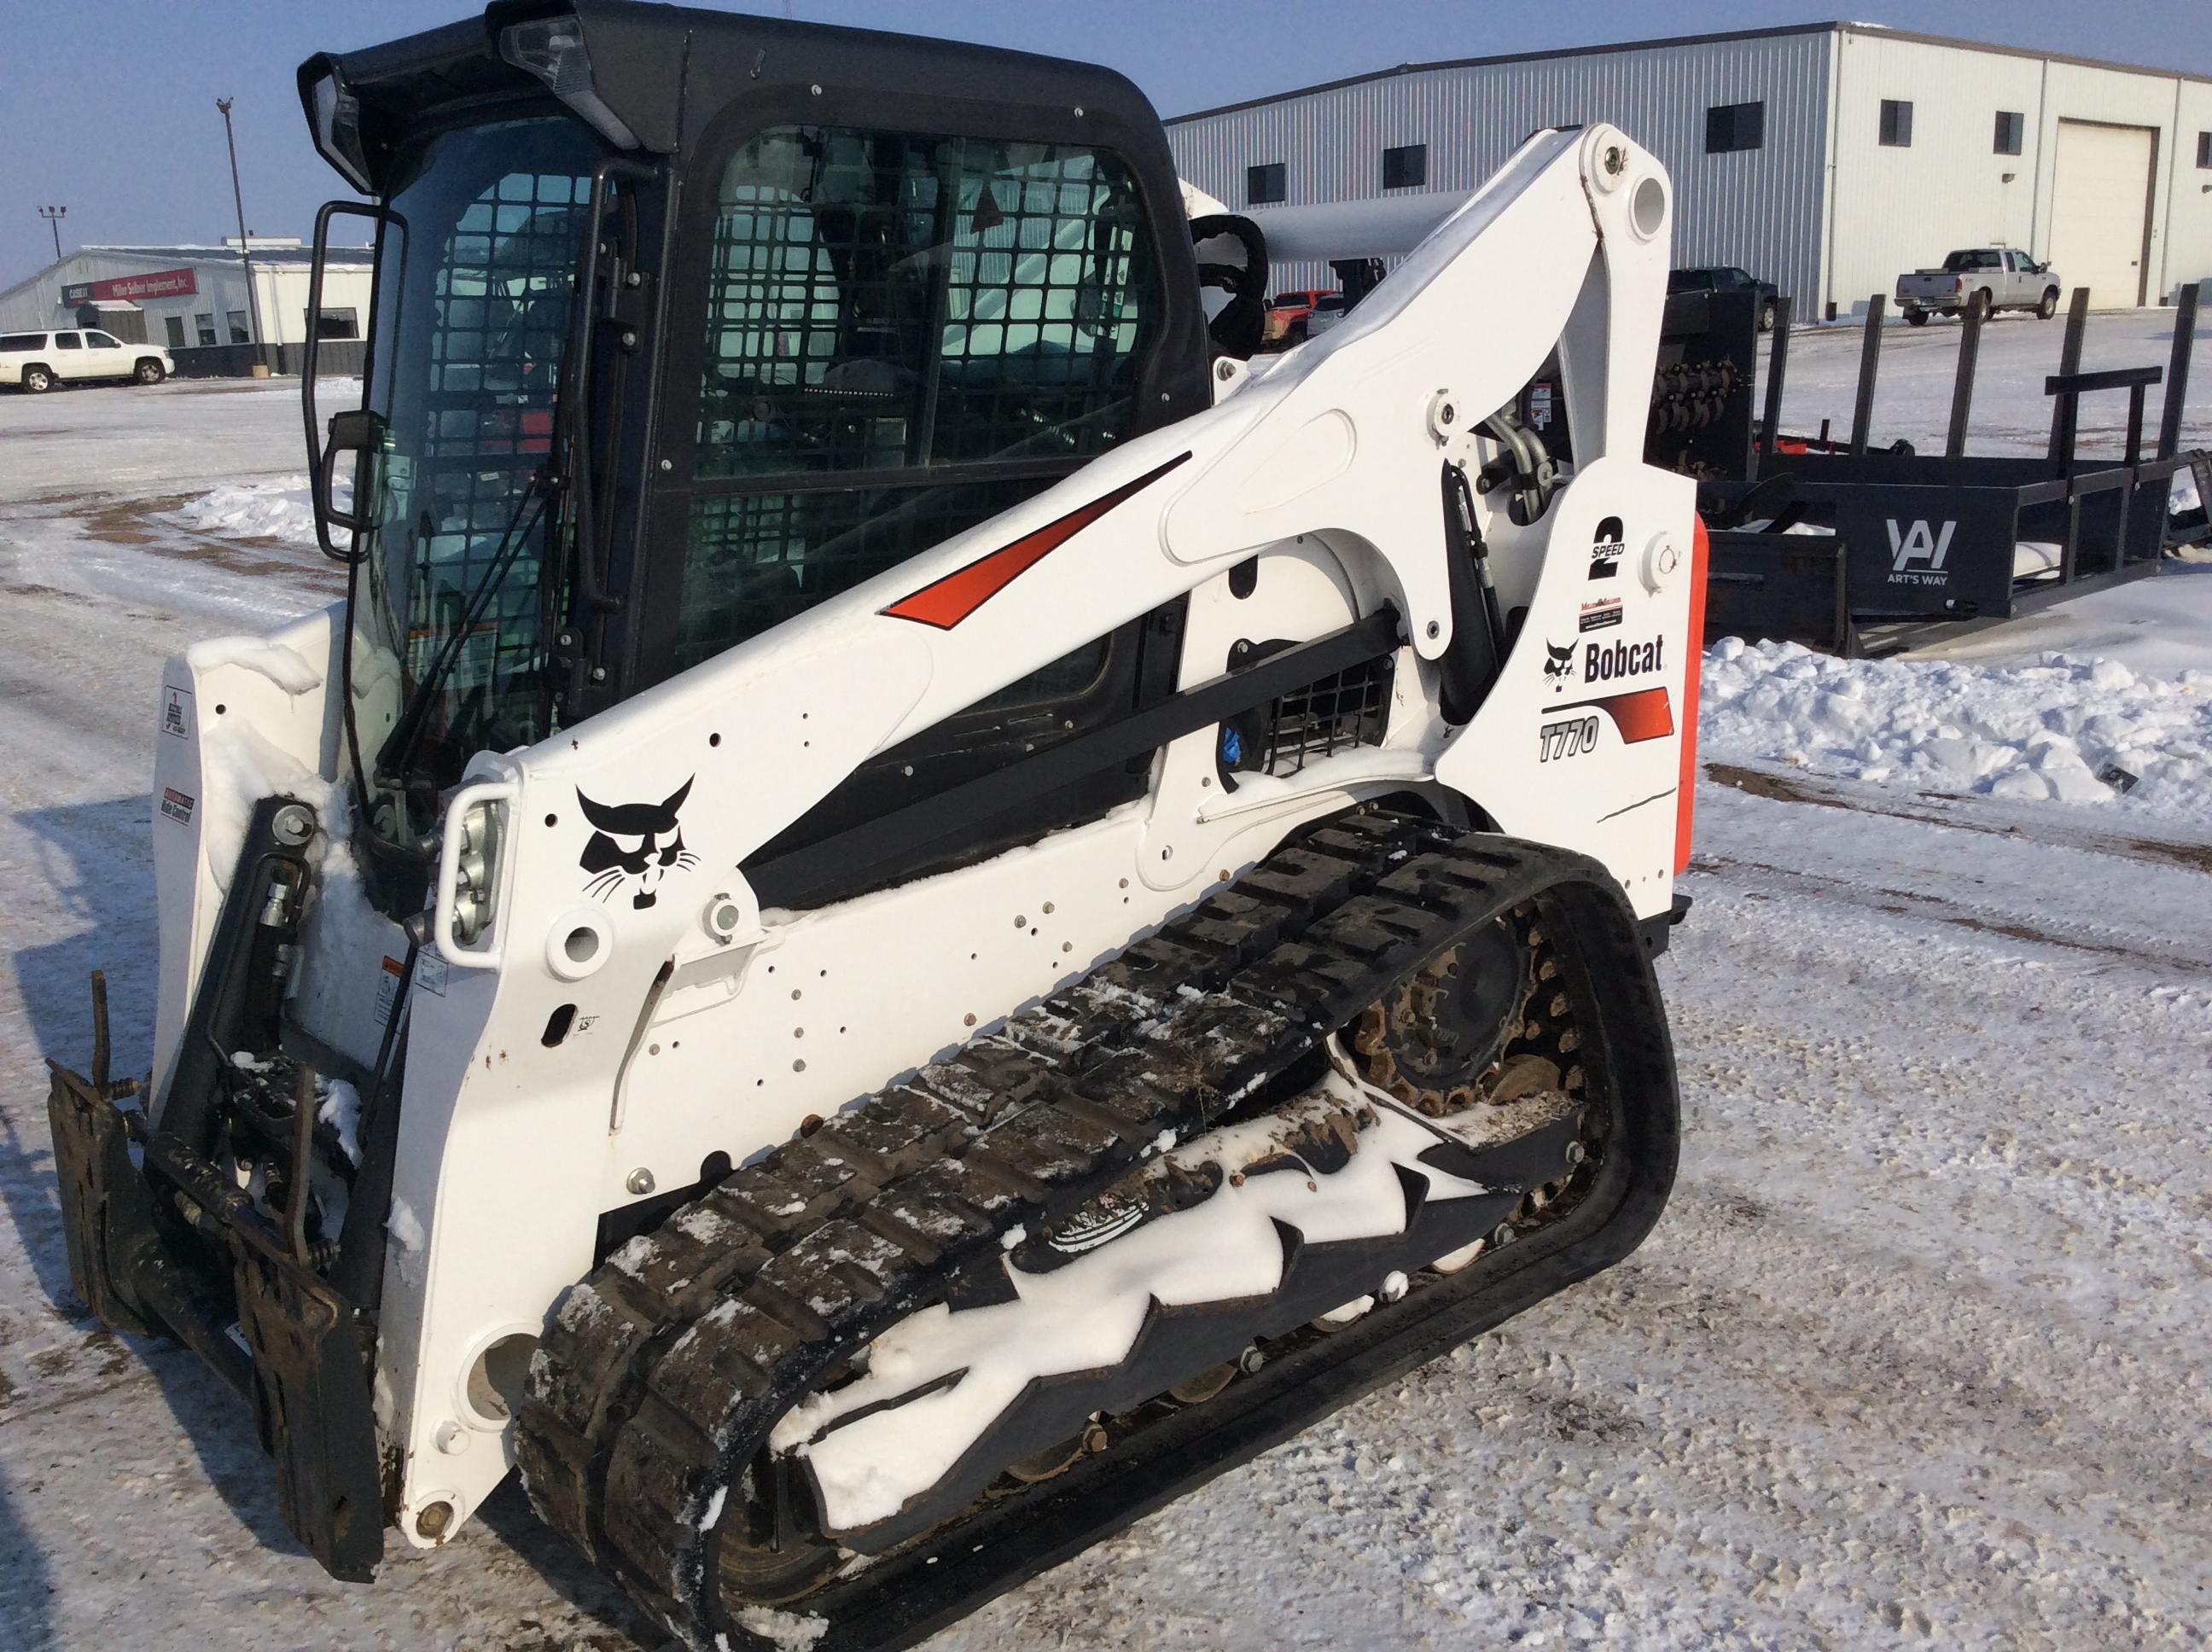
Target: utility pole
column 53, row 215
column 245, row 246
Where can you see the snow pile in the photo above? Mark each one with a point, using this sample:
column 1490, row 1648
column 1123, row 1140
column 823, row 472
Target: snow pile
column 287, row 667
column 278, row 510
column 2042, row 730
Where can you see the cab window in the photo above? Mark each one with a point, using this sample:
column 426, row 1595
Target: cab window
column 68, row 341
column 100, row 341
column 906, row 335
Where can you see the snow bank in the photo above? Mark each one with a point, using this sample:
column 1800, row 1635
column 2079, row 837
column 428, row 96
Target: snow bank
column 2038, row 730
column 280, row 510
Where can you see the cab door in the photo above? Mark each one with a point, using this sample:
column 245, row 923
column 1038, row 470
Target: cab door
column 105, row 356
column 71, row 359
column 882, row 336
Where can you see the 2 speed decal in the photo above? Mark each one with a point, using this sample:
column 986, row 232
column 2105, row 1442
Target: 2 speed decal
column 1607, row 546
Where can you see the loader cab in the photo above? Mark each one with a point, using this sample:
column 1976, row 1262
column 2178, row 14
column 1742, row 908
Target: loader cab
column 686, row 322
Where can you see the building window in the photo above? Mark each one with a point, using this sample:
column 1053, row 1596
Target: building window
column 175, row 326
column 238, row 333
column 1407, row 168
column 1266, row 185
column 203, row 324
column 2204, row 150
column 2011, row 128
column 1896, row 123
column 1732, row 126
column 339, row 324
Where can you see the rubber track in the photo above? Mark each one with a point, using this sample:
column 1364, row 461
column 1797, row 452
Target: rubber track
column 689, row 1342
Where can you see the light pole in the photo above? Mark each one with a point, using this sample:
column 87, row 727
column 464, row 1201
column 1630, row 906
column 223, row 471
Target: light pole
column 53, row 215
column 244, row 247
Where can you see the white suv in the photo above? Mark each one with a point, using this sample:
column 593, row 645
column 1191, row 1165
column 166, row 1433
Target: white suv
column 39, row 360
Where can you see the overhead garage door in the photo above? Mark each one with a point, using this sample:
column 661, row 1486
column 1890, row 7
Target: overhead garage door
column 2100, row 210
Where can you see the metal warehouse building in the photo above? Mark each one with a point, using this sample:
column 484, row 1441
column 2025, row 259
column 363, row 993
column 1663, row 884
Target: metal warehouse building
column 194, row 300
column 1824, row 157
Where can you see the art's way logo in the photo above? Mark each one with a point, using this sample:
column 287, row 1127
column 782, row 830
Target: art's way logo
column 634, row 841
column 1607, row 545
column 1917, row 543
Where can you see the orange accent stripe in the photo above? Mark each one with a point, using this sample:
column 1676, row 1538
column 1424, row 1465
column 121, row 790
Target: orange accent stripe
column 1685, row 796
column 948, row 601
column 1643, row 715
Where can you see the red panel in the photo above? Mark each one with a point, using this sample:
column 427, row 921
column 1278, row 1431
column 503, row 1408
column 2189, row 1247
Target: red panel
column 1645, row 714
column 1685, row 797
column 161, row 283
column 960, row 593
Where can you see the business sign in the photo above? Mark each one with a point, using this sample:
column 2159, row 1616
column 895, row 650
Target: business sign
column 161, row 283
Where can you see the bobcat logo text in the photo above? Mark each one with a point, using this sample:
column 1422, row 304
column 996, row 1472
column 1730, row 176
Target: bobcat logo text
column 1602, row 662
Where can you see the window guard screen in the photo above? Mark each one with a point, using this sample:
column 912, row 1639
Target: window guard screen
column 880, row 303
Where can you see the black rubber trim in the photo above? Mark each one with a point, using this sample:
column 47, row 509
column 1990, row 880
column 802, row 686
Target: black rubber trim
column 800, row 878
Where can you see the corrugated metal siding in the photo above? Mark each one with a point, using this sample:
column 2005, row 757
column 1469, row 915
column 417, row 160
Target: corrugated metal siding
column 1759, row 209
column 280, row 279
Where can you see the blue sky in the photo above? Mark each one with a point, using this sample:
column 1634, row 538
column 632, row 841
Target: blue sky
column 109, row 108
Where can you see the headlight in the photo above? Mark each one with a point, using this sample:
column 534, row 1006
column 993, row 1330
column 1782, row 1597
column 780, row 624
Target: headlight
column 476, row 871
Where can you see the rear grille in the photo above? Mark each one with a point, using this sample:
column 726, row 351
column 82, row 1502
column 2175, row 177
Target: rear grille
column 1350, row 708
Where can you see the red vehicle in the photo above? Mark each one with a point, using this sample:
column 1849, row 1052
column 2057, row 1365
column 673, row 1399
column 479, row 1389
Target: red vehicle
column 1287, row 313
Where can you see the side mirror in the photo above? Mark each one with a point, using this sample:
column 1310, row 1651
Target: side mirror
column 361, row 432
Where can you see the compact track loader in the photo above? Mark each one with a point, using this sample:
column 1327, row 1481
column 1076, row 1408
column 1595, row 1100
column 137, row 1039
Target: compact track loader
column 914, row 901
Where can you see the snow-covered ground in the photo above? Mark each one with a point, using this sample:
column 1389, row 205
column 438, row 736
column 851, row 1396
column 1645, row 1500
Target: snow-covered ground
column 1918, row 1353
column 2010, row 413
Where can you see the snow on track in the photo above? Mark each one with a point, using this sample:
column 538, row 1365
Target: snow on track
column 1916, row 1351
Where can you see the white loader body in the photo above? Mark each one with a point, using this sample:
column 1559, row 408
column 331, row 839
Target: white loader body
column 690, row 1022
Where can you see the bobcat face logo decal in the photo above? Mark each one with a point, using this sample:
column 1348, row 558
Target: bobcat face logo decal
column 634, row 841
column 1558, row 664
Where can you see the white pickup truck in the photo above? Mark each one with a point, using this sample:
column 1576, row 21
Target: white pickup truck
column 37, row 361
column 2013, row 281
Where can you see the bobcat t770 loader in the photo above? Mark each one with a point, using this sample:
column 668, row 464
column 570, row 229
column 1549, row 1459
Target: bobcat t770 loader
column 913, row 902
